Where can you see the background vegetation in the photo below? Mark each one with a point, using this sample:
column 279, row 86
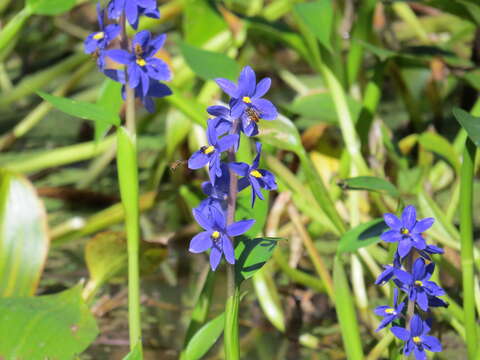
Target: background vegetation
column 366, row 91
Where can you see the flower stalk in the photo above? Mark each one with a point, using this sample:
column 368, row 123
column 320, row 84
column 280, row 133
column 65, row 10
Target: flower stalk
column 466, row 234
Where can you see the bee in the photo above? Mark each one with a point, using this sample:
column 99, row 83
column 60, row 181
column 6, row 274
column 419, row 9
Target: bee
column 253, row 115
column 176, row 164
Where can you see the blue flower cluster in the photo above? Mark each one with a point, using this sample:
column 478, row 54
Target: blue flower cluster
column 411, row 272
column 144, row 70
column 245, row 108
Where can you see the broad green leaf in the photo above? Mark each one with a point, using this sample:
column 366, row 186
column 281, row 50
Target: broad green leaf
column 205, row 338
column 83, row 110
column 178, row 127
column 24, row 237
column 470, row 123
column 320, row 107
column 252, row 254
column 110, row 97
column 346, row 315
column 208, row 64
column 201, row 22
column 317, row 16
column 269, row 297
column 56, row 326
column 258, row 212
column 439, row 145
column 136, row 353
column 281, row 133
column 201, row 309
column 105, row 256
column 361, row 236
column 370, row 183
column 50, row 7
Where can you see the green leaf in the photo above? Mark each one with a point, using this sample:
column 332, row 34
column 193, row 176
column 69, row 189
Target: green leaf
column 370, row 183
column 439, row 145
column 320, row 108
column 201, row 22
column 105, row 256
column 281, row 133
column 24, row 238
column 245, row 211
column 205, row 338
column 252, row 254
column 83, row 110
column 470, row 123
column 56, row 326
column 361, row 236
column 136, row 353
column 317, row 16
column 50, row 7
column 110, row 97
column 208, row 64
column 346, row 314
column 178, row 127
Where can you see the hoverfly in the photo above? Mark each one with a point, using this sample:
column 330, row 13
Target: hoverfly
column 252, row 115
column 176, row 164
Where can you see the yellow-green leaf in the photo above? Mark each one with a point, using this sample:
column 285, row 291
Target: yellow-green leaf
column 23, row 236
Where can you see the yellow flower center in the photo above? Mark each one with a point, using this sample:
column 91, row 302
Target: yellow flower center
column 390, row 311
column 247, row 100
column 255, row 173
column 215, row 235
column 404, row 231
column 99, row 35
column 141, row 62
column 418, row 283
column 416, row 339
column 208, row 150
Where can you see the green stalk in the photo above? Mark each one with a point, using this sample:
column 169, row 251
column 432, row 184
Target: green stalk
column 466, row 252
column 57, row 157
column 231, row 343
column 346, row 315
column 129, row 189
column 14, row 26
column 128, row 180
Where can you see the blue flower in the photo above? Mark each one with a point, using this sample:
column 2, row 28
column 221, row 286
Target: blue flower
column 386, row 275
column 252, row 175
column 248, row 95
column 98, row 41
column 217, row 235
column 390, row 313
column 417, row 284
column 133, row 9
column 417, row 339
column 211, row 155
column 142, row 65
column 407, row 231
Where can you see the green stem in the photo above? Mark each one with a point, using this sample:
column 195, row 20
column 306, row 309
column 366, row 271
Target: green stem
column 231, row 343
column 466, row 234
column 129, row 189
column 13, row 27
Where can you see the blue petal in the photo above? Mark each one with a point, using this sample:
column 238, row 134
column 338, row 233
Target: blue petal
column 262, row 87
column 142, row 38
column 215, row 256
column 391, row 236
column 423, row 225
column 431, row 343
column 267, row 110
column 246, row 82
column 239, row 168
column 239, row 227
column 409, row 217
column 228, row 250
column 400, row 333
column 393, row 221
column 416, row 325
column 404, row 247
column 202, row 218
column 201, row 242
column 419, row 353
column 228, row 87
column 197, row 160
column 120, row 56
